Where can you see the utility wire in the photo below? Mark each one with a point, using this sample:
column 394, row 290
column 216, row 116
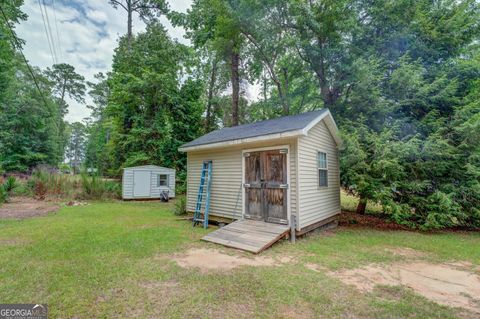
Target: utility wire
column 50, row 30
column 16, row 44
column 56, row 28
column 46, row 32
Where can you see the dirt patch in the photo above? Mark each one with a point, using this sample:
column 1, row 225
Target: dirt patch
column 300, row 310
column 12, row 242
column 25, row 207
column 212, row 259
column 315, row 267
column 75, row 203
column 406, row 252
column 157, row 297
column 232, row 310
column 443, row 283
column 349, row 219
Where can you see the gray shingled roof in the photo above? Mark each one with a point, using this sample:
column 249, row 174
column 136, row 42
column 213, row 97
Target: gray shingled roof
column 274, row 126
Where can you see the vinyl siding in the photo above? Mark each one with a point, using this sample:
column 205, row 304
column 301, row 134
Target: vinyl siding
column 127, row 182
column 227, row 191
column 317, row 203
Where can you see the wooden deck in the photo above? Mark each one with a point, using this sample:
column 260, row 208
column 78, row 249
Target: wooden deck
column 250, row 235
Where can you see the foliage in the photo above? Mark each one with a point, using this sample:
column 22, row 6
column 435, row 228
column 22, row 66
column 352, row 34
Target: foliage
column 400, row 77
column 31, row 118
column 44, row 183
column 92, row 187
column 180, row 206
column 3, row 195
column 75, row 151
column 10, row 184
column 7, row 188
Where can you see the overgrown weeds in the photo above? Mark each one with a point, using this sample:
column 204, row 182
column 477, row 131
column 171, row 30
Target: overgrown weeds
column 180, row 206
column 6, row 188
column 44, row 184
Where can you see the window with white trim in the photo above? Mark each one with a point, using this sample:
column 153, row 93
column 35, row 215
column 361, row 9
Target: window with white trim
column 162, row 180
column 322, row 169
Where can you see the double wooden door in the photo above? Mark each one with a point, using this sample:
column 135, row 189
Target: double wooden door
column 266, row 185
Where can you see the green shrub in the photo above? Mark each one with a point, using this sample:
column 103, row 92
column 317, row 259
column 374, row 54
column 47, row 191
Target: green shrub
column 10, row 184
column 3, row 195
column 113, row 189
column 180, row 206
column 43, row 183
column 92, row 187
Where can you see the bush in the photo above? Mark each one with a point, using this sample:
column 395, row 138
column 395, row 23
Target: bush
column 114, row 189
column 3, row 195
column 43, row 183
column 180, row 206
column 10, row 184
column 6, row 188
column 95, row 187
column 92, row 187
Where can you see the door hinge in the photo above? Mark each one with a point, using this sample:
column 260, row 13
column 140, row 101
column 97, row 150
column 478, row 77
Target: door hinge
column 246, row 154
column 283, row 185
column 284, row 151
column 246, row 185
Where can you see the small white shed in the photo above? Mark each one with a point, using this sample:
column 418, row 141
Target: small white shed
column 148, row 181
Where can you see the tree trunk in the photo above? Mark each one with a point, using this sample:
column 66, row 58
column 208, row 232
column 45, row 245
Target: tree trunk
column 235, row 86
column 129, row 23
column 211, row 87
column 286, row 103
column 362, row 205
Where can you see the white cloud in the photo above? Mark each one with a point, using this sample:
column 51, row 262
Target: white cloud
column 88, row 31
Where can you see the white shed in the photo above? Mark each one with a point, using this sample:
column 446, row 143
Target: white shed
column 148, row 181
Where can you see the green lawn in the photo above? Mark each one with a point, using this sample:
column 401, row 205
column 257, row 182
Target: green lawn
column 114, row 260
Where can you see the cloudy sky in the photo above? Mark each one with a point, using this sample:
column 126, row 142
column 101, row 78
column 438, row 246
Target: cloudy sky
column 87, row 35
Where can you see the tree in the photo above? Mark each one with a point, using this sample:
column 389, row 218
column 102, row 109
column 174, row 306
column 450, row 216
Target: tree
column 65, row 82
column 146, row 9
column 75, row 152
column 324, row 33
column 152, row 114
column 28, row 114
column 214, row 24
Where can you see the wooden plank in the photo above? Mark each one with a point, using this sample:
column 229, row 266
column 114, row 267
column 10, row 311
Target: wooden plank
column 253, row 236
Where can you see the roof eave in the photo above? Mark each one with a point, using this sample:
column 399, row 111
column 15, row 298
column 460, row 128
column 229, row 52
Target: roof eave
column 261, row 138
column 331, row 125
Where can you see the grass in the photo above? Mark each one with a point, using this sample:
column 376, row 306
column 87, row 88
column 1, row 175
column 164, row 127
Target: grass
column 350, row 202
column 114, row 260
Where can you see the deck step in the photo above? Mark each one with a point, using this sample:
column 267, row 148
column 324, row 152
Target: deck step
column 250, row 235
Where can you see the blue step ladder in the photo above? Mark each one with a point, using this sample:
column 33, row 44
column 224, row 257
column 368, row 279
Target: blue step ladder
column 203, row 199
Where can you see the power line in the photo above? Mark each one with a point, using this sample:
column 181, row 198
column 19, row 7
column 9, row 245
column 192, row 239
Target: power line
column 56, row 28
column 50, row 30
column 46, row 32
column 16, row 44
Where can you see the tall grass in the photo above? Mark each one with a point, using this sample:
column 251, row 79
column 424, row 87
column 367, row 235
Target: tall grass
column 94, row 187
column 6, row 188
column 45, row 184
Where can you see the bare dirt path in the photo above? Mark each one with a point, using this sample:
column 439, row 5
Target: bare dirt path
column 25, row 207
column 452, row 285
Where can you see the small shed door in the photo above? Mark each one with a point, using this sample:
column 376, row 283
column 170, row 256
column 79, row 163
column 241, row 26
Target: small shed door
column 275, row 186
column 141, row 183
column 253, row 186
column 266, row 186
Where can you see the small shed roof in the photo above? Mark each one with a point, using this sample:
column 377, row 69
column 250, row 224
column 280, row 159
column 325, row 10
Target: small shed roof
column 148, row 167
column 287, row 126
